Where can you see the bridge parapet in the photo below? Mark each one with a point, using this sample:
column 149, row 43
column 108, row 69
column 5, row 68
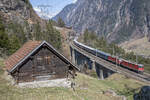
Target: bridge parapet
column 84, row 62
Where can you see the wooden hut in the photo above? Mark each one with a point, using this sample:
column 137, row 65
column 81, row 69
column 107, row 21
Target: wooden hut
column 38, row 60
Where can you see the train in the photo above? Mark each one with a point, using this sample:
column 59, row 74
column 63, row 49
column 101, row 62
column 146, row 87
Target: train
column 139, row 68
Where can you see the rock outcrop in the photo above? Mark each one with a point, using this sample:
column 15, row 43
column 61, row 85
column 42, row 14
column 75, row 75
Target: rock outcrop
column 144, row 94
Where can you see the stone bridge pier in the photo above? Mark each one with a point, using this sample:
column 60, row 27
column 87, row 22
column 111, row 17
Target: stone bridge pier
column 101, row 71
column 82, row 61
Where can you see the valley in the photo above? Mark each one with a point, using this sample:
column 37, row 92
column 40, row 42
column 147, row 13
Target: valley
column 34, row 49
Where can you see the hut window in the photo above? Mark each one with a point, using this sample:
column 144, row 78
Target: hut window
column 39, row 60
column 47, row 59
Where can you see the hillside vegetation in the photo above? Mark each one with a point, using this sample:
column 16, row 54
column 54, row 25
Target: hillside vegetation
column 91, row 39
column 19, row 23
column 87, row 88
column 11, row 42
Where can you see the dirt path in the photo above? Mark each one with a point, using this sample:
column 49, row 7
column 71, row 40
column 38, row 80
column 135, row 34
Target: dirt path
column 65, row 42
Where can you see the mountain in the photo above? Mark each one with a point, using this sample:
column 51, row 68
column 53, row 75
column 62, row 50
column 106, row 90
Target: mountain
column 43, row 15
column 117, row 20
column 64, row 12
column 19, row 16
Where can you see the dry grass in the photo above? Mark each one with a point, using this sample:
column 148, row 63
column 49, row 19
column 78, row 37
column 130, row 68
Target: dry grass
column 87, row 88
column 139, row 46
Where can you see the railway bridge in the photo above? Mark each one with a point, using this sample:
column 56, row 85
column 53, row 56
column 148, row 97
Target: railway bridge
column 103, row 68
column 81, row 58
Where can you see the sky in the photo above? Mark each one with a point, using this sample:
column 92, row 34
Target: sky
column 54, row 6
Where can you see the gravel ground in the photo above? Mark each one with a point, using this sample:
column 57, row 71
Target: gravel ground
column 47, row 83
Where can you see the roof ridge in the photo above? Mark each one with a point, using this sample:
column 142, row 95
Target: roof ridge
column 26, row 51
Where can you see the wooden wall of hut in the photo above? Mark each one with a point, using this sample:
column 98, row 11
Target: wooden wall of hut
column 42, row 65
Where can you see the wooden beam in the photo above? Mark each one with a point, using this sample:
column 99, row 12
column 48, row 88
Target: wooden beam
column 17, row 75
column 33, row 69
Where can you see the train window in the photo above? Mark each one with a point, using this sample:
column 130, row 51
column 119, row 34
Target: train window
column 140, row 66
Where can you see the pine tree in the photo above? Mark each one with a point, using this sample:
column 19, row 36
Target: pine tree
column 21, row 35
column 60, row 22
column 4, row 41
column 53, row 36
column 86, row 35
column 38, row 34
column 14, row 44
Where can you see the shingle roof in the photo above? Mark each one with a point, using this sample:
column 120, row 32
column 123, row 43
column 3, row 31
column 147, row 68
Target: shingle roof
column 26, row 50
column 21, row 54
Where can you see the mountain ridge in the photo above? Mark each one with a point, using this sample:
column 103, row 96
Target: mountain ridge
column 117, row 20
column 64, row 11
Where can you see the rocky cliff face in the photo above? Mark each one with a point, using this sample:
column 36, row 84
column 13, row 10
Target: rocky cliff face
column 117, row 20
column 64, row 12
column 19, row 12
